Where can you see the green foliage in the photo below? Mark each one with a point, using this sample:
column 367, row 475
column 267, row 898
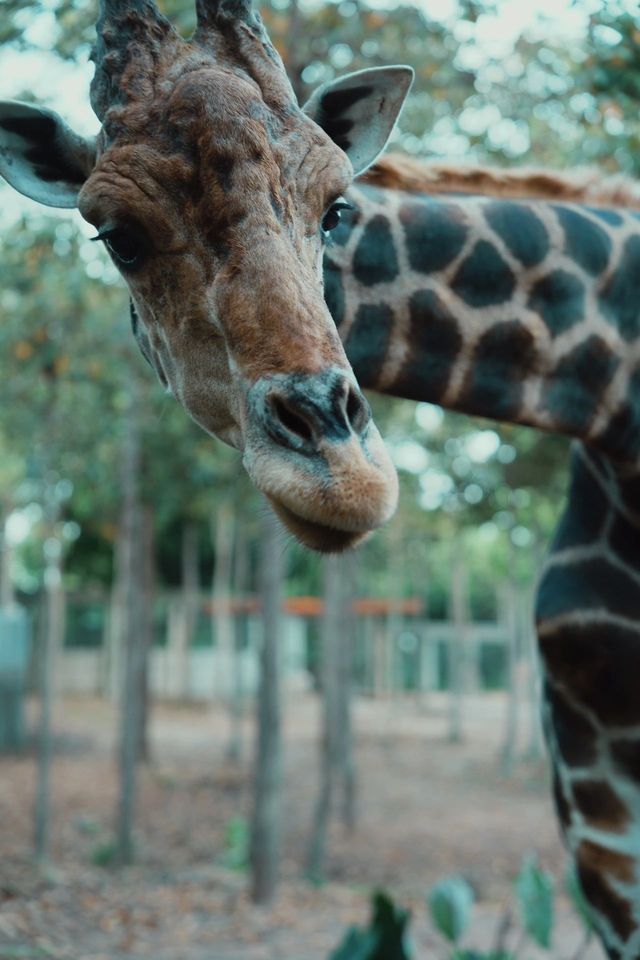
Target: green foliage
column 357, row 945
column 384, row 939
column 477, row 955
column 535, row 892
column 236, row 843
column 450, row 904
column 104, row 854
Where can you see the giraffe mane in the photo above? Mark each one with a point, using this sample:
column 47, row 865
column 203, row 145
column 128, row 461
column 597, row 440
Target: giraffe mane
column 399, row 172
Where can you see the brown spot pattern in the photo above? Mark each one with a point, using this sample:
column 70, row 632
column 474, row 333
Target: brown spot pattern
column 594, row 863
column 592, row 856
column 626, row 756
column 600, row 665
column 575, row 736
column 600, row 805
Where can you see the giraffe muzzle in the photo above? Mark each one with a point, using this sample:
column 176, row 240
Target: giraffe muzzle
column 312, row 447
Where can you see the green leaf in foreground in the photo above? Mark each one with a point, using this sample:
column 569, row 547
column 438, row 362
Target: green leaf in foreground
column 477, row 955
column 357, row 945
column 535, row 889
column 384, row 939
column 450, row 903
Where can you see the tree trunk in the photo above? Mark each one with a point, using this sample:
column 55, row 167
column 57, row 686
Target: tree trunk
column 131, row 578
column 7, row 596
column 347, row 571
column 147, row 601
column 511, row 621
column 112, row 669
column 329, row 672
column 382, row 659
column 52, row 638
column 240, row 584
column 395, row 617
column 266, row 821
column 221, row 595
column 535, row 748
column 457, row 649
column 337, row 767
column 190, row 602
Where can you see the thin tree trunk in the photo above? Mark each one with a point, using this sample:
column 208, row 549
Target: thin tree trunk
column 134, row 638
column 266, row 821
column 240, row 579
column 52, row 628
column 536, row 745
column 511, row 620
column 381, row 665
column 190, row 602
column 535, row 749
column 395, row 616
column 329, row 672
column 458, row 644
column 113, row 654
column 7, row 596
column 347, row 569
column 221, row 594
column 147, row 600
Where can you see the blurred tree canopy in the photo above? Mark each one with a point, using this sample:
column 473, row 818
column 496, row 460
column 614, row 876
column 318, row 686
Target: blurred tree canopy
column 67, row 356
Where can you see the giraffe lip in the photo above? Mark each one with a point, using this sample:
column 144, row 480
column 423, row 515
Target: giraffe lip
column 317, row 536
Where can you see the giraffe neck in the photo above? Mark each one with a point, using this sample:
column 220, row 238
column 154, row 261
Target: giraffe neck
column 588, row 612
column 529, row 311
column 523, row 311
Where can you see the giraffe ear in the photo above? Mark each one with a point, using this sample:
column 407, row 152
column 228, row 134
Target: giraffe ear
column 359, row 111
column 41, row 156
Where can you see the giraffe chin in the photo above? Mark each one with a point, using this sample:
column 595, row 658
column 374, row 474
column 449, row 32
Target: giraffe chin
column 329, row 497
column 317, row 536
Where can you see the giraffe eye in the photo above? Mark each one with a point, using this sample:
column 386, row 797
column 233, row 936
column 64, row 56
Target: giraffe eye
column 126, row 245
column 333, row 215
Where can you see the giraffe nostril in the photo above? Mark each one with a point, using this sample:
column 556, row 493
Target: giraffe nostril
column 304, row 412
column 292, row 422
column 357, row 410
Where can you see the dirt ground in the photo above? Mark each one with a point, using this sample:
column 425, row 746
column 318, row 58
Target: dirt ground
column 426, row 809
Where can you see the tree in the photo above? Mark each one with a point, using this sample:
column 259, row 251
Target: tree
column 336, row 765
column 266, row 822
column 135, row 652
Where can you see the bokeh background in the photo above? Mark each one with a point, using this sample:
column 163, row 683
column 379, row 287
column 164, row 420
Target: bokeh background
column 402, row 741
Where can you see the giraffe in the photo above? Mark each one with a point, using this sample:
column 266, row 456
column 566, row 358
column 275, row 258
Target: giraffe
column 206, row 182
column 528, row 311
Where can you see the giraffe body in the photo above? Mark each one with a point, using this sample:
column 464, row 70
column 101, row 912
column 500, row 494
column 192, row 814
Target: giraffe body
column 529, row 311
column 588, row 613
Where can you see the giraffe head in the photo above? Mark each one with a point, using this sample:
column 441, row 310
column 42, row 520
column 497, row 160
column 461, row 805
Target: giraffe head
column 214, row 194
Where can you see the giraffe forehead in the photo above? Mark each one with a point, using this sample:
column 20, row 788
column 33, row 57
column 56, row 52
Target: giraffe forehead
column 221, row 116
column 210, row 135
column 225, row 95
